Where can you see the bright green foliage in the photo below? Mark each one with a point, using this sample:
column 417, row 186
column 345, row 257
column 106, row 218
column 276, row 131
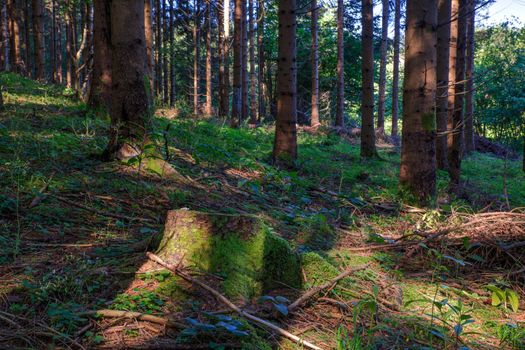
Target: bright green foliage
column 500, row 96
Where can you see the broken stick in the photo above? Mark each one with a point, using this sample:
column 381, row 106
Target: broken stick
column 227, row 302
column 313, row 291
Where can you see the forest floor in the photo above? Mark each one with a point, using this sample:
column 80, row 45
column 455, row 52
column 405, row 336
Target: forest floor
column 72, row 230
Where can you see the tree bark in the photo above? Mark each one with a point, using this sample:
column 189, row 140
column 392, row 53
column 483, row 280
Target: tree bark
column 223, row 8
column 418, row 162
column 469, row 77
column 262, row 60
column 285, row 144
column 456, row 148
column 340, row 104
column 368, row 142
column 27, row 41
column 148, row 33
column 452, row 76
column 15, row 50
column 196, row 56
column 314, row 119
column 3, row 38
column 395, row 77
column 158, row 49
column 38, row 29
column 237, row 64
column 130, row 101
column 100, row 94
column 442, row 72
column 209, row 93
column 172, row 55
column 245, row 74
column 382, row 68
column 253, row 73
column 70, row 76
column 53, row 43
column 165, row 62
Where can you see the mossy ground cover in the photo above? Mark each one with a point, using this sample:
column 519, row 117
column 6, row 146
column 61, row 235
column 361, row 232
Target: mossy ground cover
column 59, row 259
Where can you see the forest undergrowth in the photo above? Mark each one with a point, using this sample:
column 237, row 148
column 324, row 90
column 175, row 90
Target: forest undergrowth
column 74, row 232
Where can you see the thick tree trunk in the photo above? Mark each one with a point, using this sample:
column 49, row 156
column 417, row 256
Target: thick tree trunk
column 442, row 65
column 382, row 68
column 368, row 140
column 209, row 94
column 456, row 148
column 196, row 56
column 130, row 100
column 158, row 49
column 3, row 38
column 285, row 144
column 395, row 77
column 60, row 66
column 469, row 77
column 452, row 75
column 314, row 119
column 15, row 49
column 340, row 104
column 100, row 94
column 237, row 64
column 418, row 162
column 38, row 30
column 253, row 73
column 70, row 67
column 262, row 60
column 148, row 32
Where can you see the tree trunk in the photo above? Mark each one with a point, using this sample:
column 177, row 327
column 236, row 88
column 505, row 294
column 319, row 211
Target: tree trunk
column 196, row 56
column 27, row 35
column 172, row 55
column 314, row 119
column 458, row 116
column 15, row 50
column 158, row 49
column 165, row 62
column 38, row 29
column 469, row 77
column 223, row 9
column 395, row 78
column 382, row 68
column 368, row 140
column 100, row 95
column 340, row 108
column 418, row 162
column 253, row 74
column 442, row 67
column 237, row 64
column 148, row 32
column 454, row 6
column 285, row 144
column 130, row 101
column 60, row 66
column 53, row 44
column 70, row 78
column 262, row 60
column 3, row 38
column 209, row 93
column 245, row 76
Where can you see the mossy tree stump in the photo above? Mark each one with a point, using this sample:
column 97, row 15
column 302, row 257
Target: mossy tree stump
column 240, row 248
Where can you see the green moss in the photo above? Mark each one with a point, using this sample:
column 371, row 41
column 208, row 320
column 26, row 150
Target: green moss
column 317, row 269
column 241, row 249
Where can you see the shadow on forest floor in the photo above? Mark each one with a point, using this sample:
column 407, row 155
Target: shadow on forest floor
column 74, row 232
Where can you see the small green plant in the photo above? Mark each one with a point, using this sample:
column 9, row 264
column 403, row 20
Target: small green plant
column 507, row 298
column 511, row 335
column 147, row 302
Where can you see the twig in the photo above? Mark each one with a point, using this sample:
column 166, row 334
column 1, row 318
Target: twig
column 313, row 291
column 224, row 300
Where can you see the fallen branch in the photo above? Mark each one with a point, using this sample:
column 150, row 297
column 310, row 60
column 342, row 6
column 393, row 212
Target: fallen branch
column 313, row 291
column 100, row 212
column 224, row 300
column 137, row 316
